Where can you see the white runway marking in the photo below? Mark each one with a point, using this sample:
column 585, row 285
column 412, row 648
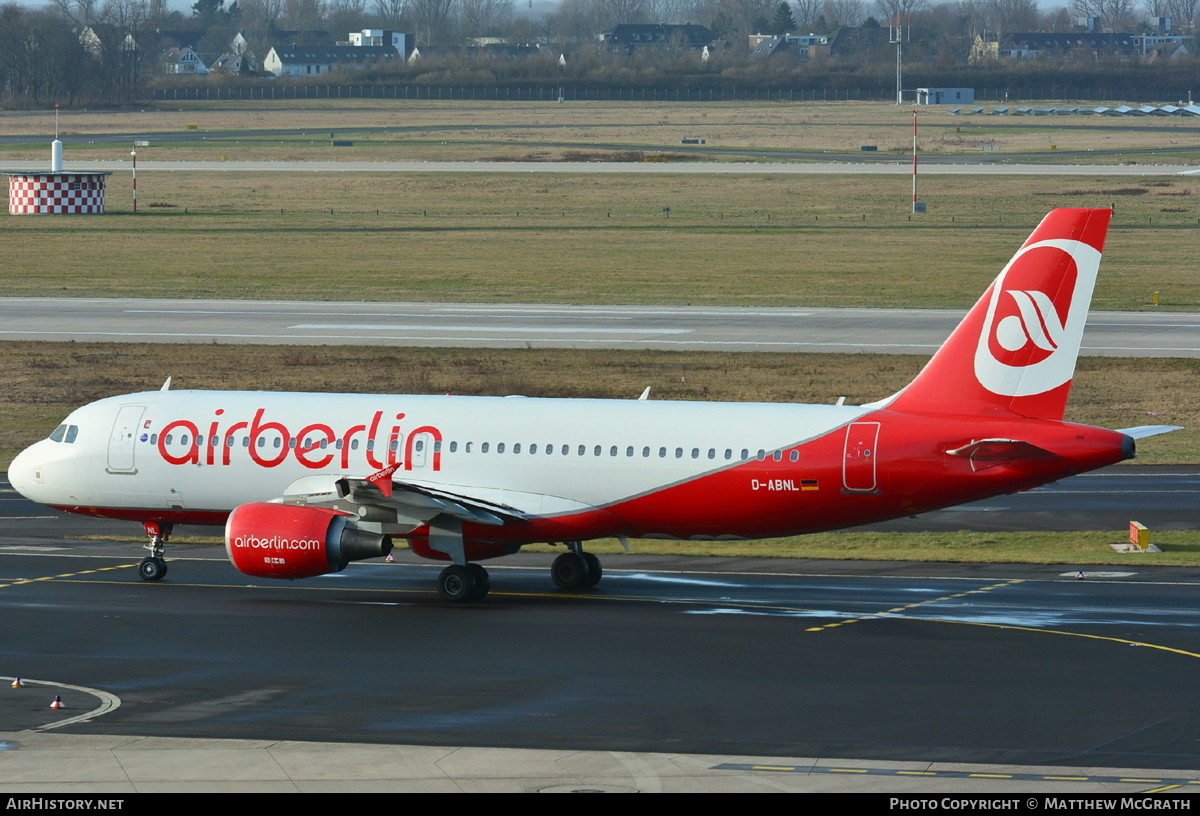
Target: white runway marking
column 529, row 329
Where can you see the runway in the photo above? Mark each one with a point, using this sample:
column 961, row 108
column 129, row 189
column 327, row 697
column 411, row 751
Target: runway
column 889, row 331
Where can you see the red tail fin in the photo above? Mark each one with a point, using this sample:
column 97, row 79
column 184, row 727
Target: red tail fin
column 1015, row 350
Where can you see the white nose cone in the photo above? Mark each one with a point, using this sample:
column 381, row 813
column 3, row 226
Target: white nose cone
column 25, row 474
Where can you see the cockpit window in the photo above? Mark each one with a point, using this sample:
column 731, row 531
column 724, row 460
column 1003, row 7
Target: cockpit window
column 65, row 433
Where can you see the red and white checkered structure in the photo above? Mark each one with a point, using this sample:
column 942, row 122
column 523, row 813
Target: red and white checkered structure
column 56, row 193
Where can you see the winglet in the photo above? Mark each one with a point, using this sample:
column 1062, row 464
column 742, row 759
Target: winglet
column 383, row 479
column 166, row 386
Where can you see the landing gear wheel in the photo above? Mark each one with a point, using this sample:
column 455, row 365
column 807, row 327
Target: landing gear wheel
column 570, row 571
column 483, row 583
column 152, row 569
column 457, row 584
column 595, row 571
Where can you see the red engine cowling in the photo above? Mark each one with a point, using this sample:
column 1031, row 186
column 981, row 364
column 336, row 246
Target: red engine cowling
column 295, row 541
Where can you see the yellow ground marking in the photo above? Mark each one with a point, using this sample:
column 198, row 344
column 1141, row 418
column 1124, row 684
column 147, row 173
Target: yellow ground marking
column 917, row 605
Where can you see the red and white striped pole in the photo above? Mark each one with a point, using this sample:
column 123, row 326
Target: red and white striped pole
column 135, row 154
column 914, row 201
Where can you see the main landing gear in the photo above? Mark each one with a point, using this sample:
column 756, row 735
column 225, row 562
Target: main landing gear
column 576, row 569
column 460, row 583
column 154, row 566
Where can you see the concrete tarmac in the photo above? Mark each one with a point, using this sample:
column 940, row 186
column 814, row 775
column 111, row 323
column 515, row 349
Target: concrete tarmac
column 40, row 763
column 523, row 325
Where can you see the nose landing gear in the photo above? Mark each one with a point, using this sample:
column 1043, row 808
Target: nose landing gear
column 154, row 566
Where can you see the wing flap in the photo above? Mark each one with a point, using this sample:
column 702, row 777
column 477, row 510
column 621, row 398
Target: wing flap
column 424, row 503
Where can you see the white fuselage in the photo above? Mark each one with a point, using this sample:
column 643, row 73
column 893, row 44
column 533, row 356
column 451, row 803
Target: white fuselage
column 192, row 452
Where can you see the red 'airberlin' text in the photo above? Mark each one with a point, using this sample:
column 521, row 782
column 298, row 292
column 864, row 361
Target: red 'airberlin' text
column 314, row 446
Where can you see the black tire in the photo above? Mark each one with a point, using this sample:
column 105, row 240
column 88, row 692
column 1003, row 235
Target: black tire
column 457, row 584
column 595, row 571
column 152, row 569
column 569, row 571
column 483, row 583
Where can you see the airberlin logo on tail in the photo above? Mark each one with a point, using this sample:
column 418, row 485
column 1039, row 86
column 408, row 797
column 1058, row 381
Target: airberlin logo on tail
column 1035, row 318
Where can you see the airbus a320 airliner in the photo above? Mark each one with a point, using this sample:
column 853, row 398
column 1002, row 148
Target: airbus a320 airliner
column 306, row 483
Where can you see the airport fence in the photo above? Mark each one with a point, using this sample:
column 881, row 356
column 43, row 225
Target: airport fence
column 284, row 90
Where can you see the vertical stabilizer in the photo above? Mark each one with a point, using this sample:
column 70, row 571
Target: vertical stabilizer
column 1015, row 350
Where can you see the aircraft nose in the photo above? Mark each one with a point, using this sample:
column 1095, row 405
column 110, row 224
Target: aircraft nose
column 25, row 473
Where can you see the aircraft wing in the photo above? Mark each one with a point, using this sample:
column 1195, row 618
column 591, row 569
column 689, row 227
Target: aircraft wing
column 381, row 498
column 425, row 502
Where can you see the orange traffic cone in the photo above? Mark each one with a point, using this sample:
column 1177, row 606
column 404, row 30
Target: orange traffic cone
column 58, row 703
column 17, row 683
column 389, row 559
column 1079, row 575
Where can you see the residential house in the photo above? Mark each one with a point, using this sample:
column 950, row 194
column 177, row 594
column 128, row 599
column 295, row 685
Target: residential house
column 802, row 46
column 632, row 38
column 403, row 43
column 183, row 60
column 319, row 60
column 1055, row 47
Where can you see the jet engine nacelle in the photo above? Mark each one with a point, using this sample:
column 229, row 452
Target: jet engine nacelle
column 295, row 541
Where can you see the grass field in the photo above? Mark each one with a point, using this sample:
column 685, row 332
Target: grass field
column 732, row 240
column 736, row 240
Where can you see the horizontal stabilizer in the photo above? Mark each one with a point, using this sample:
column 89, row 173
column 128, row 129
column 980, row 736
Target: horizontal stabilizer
column 1142, row 431
column 999, row 450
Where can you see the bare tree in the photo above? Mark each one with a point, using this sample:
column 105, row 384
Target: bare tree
column 432, row 20
column 1182, row 12
column 481, row 18
column 747, row 15
column 302, row 15
column 353, row 8
column 1115, row 15
column 1014, row 15
column 259, row 18
column 844, row 12
column 806, row 13
column 390, row 12
column 117, row 41
column 898, row 10
column 41, row 59
column 677, row 12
